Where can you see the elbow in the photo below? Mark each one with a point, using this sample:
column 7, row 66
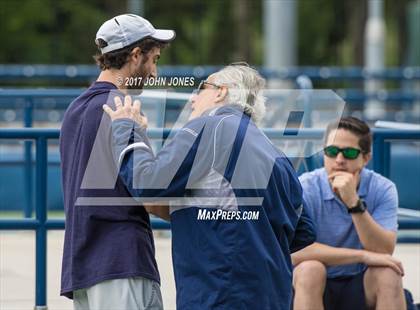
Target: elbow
column 388, row 245
column 389, row 248
column 382, row 250
column 385, row 248
column 384, row 244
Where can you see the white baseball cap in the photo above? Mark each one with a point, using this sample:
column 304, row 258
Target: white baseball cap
column 123, row 30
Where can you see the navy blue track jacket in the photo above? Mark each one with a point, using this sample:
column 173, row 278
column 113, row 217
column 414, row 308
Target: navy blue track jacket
column 216, row 172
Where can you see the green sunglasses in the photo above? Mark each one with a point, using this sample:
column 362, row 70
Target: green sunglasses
column 348, row 152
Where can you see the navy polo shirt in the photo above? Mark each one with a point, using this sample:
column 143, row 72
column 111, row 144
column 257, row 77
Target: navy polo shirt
column 107, row 234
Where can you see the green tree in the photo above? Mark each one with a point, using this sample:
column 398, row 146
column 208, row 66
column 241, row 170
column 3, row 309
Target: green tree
column 48, row 31
column 213, row 32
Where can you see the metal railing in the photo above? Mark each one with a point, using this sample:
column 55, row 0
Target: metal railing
column 63, row 96
column 90, row 72
column 41, row 224
column 59, row 98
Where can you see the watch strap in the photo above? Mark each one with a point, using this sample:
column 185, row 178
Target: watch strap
column 360, row 207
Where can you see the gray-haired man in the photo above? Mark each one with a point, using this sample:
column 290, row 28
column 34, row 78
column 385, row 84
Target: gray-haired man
column 236, row 199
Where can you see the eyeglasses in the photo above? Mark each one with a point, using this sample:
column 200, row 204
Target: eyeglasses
column 204, row 82
column 348, row 152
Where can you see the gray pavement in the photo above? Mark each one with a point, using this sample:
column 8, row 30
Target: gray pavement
column 17, row 270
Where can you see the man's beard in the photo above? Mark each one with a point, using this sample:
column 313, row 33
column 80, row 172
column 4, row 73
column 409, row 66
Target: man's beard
column 140, row 75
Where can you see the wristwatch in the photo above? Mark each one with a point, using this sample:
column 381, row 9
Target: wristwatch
column 360, row 207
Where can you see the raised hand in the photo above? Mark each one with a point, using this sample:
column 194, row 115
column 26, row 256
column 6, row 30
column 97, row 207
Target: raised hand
column 344, row 184
column 128, row 109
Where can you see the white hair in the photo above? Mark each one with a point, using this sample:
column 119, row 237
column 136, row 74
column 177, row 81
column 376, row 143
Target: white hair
column 245, row 89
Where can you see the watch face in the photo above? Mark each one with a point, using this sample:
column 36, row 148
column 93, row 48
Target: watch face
column 359, row 208
column 363, row 204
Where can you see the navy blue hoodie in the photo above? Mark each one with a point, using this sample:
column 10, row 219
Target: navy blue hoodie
column 102, row 241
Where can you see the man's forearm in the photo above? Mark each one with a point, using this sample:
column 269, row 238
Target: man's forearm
column 331, row 256
column 372, row 236
column 328, row 255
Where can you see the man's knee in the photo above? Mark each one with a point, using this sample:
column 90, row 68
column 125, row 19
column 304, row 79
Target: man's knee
column 309, row 274
column 383, row 279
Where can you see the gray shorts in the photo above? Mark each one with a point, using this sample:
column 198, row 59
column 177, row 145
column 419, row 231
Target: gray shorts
column 120, row 294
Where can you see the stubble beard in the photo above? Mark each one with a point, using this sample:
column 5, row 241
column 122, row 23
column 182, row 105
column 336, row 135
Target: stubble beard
column 141, row 74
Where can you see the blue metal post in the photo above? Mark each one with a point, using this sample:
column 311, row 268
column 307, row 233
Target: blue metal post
column 41, row 231
column 160, row 120
column 378, row 155
column 28, row 120
column 305, row 84
column 386, row 158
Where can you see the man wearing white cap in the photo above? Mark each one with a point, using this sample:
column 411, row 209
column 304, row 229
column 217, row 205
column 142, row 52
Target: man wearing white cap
column 130, row 48
column 109, row 255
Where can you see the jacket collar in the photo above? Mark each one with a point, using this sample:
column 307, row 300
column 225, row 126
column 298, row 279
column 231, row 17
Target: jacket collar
column 226, row 109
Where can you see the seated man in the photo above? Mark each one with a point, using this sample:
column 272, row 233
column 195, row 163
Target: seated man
column 355, row 213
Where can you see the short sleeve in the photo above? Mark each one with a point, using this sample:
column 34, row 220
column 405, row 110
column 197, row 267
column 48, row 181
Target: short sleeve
column 305, row 233
column 386, row 208
column 309, row 193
